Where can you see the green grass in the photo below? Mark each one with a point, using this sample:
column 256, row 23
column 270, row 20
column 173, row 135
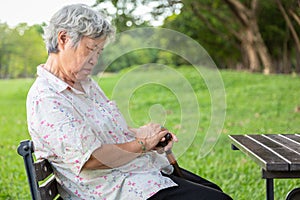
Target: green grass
column 256, row 104
column 13, row 128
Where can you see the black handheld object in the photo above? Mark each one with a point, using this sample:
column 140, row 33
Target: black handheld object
column 168, row 138
column 170, row 156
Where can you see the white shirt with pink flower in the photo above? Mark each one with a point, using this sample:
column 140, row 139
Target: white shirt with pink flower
column 67, row 125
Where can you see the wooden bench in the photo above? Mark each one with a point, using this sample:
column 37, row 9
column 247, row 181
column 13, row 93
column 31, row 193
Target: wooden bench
column 42, row 183
column 277, row 154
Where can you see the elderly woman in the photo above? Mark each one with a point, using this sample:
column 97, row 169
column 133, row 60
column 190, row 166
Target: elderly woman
column 82, row 133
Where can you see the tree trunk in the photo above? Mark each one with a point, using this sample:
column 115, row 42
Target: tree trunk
column 251, row 39
column 1, row 67
column 264, row 54
column 286, row 60
column 293, row 32
column 250, row 56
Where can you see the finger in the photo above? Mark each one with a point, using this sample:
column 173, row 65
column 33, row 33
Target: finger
column 169, row 146
column 162, row 133
column 174, row 138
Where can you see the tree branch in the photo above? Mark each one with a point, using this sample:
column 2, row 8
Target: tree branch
column 289, row 23
column 240, row 11
column 254, row 5
column 197, row 11
column 295, row 16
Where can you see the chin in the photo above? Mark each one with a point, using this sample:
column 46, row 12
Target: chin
column 83, row 78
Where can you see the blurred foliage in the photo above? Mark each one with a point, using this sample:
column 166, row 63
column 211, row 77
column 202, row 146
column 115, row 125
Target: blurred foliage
column 21, row 50
column 213, row 24
column 209, row 23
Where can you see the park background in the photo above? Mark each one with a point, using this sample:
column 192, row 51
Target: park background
column 255, row 45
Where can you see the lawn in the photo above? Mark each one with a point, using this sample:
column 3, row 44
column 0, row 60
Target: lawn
column 255, row 104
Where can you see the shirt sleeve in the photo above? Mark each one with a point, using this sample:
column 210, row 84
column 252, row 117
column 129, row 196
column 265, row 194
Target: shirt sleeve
column 60, row 132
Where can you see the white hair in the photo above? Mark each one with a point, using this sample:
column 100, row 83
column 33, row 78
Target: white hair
column 76, row 20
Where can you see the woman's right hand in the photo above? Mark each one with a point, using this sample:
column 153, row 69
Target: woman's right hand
column 151, row 134
column 147, row 137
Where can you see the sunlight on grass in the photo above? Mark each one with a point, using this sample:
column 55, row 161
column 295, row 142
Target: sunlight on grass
column 255, row 104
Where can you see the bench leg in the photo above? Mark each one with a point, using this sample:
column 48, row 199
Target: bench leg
column 270, row 188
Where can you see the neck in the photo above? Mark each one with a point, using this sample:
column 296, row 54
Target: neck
column 53, row 66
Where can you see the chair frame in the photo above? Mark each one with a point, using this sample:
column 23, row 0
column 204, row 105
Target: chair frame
column 38, row 171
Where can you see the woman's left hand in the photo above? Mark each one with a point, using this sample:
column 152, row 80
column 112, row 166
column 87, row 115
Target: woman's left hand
column 150, row 132
column 169, row 144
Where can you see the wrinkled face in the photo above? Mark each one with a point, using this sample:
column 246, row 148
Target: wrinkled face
column 78, row 62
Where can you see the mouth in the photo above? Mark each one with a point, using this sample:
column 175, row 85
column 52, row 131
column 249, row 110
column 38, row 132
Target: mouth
column 87, row 71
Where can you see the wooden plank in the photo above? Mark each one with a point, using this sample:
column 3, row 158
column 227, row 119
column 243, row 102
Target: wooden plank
column 294, row 137
column 42, row 169
column 261, row 155
column 280, row 146
column 286, row 141
column 49, row 190
column 278, row 174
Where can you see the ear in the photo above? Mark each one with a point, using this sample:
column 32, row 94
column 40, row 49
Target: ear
column 62, row 39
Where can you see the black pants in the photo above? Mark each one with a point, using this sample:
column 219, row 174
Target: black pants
column 191, row 187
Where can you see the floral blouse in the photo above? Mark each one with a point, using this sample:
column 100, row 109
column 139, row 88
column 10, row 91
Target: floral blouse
column 67, row 125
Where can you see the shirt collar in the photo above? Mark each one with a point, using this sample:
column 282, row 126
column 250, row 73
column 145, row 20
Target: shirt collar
column 57, row 83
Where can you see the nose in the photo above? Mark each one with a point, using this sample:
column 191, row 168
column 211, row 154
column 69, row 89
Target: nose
column 94, row 59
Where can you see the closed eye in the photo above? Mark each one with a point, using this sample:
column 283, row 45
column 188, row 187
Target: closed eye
column 89, row 48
